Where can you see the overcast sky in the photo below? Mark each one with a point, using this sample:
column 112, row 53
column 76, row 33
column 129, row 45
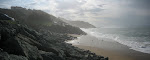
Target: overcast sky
column 102, row 13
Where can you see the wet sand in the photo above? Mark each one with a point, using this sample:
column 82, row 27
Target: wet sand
column 111, row 49
column 114, row 55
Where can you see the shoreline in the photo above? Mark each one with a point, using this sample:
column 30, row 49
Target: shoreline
column 114, row 55
column 28, row 44
column 111, row 49
column 98, row 51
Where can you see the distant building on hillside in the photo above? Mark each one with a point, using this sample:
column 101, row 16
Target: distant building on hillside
column 16, row 7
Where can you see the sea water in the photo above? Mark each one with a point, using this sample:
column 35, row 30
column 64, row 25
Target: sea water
column 136, row 38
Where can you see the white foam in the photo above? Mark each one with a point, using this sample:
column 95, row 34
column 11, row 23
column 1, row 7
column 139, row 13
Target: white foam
column 131, row 42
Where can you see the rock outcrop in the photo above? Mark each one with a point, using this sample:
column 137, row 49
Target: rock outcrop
column 80, row 24
column 38, row 20
column 5, row 17
column 19, row 41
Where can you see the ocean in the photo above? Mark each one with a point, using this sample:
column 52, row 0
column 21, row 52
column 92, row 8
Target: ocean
column 135, row 38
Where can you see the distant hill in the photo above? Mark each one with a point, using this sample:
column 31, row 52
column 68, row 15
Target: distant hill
column 39, row 20
column 36, row 35
column 80, row 24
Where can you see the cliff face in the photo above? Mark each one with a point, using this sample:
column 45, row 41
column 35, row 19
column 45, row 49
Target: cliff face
column 38, row 20
column 80, row 24
column 25, row 41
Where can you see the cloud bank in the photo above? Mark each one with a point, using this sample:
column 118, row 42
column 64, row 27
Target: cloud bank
column 101, row 13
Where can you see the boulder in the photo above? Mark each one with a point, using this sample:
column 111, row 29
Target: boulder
column 6, row 56
column 15, row 57
column 18, row 46
column 50, row 56
column 31, row 52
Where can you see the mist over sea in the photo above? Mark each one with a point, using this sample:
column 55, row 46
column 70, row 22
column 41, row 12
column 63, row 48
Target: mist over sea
column 136, row 38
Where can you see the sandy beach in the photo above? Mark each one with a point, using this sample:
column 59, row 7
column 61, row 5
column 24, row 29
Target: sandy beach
column 111, row 49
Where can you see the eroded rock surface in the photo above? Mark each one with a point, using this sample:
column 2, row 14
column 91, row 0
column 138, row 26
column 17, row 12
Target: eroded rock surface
column 22, row 42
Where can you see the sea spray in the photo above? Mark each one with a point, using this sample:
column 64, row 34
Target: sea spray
column 136, row 38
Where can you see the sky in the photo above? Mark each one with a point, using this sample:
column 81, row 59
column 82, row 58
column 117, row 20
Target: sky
column 101, row 13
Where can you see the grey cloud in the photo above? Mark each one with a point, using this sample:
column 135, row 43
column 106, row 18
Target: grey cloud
column 140, row 4
column 70, row 4
column 33, row 3
column 2, row 1
column 102, row 5
column 95, row 10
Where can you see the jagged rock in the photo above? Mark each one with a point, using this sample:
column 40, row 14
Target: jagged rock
column 15, row 57
column 106, row 58
column 50, row 56
column 28, row 50
column 6, row 56
column 5, row 17
column 38, row 42
column 20, row 47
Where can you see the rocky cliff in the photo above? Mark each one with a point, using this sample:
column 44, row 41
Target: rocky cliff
column 80, row 24
column 38, row 20
column 25, row 41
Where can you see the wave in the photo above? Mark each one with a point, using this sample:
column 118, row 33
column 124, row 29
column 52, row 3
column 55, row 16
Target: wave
column 137, row 43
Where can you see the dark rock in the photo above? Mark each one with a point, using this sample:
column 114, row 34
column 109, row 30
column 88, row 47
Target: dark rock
column 31, row 41
column 20, row 47
column 28, row 50
column 50, row 56
column 15, row 57
column 11, row 46
column 6, row 56
column 5, row 17
column 106, row 58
